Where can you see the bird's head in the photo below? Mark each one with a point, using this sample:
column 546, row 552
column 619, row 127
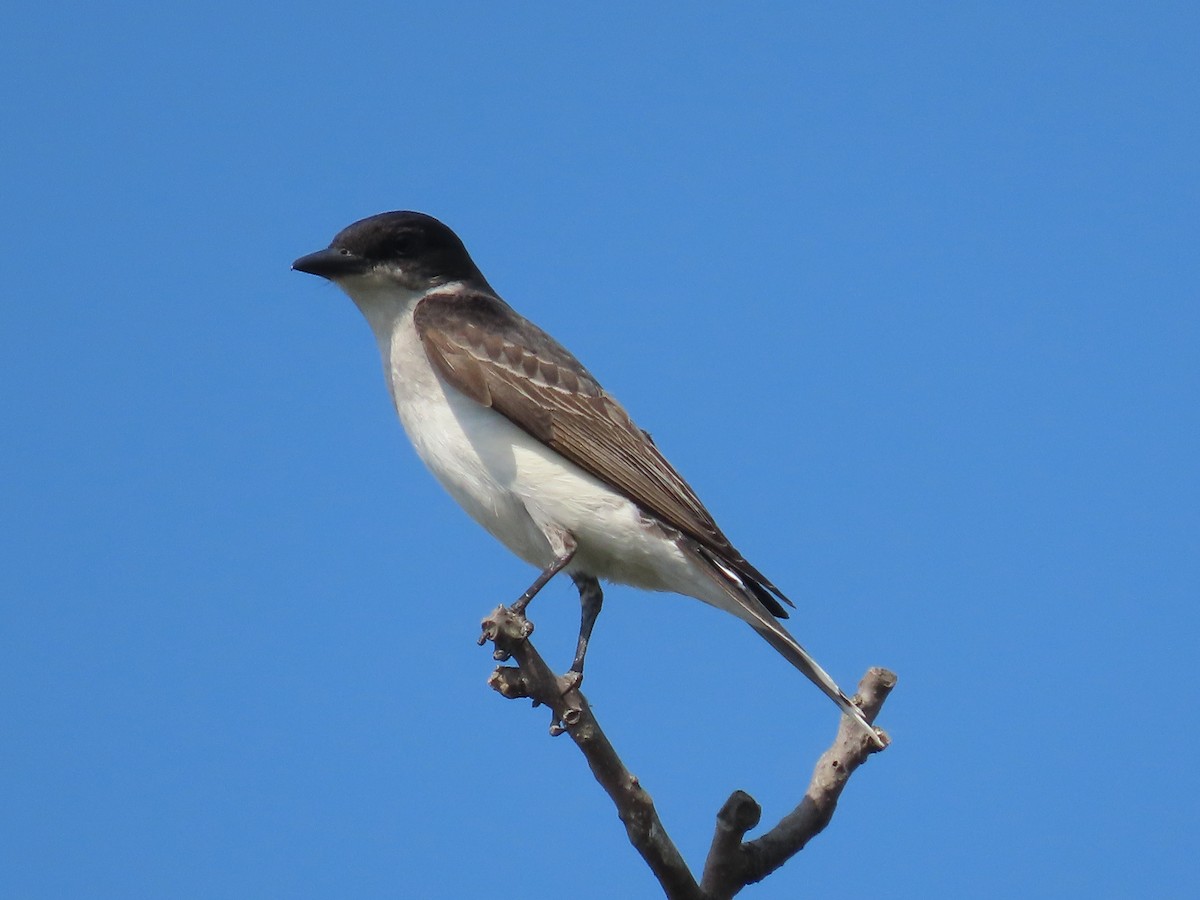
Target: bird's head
column 410, row 250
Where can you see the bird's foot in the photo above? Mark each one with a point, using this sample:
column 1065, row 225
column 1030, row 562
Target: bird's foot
column 508, row 631
column 570, row 681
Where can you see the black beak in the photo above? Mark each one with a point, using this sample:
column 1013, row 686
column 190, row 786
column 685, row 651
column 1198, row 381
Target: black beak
column 331, row 263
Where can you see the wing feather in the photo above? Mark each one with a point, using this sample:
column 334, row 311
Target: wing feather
column 497, row 358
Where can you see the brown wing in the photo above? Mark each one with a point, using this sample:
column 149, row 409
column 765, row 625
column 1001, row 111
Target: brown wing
column 499, row 359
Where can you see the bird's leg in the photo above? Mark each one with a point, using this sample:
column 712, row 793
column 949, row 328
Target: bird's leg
column 564, row 547
column 591, row 598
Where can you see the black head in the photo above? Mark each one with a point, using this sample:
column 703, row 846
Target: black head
column 416, row 250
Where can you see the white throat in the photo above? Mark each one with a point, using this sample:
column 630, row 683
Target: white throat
column 385, row 303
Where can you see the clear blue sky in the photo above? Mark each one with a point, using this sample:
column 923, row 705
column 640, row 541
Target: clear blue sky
column 921, row 286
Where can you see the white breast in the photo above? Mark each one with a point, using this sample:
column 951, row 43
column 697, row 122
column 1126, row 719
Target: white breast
column 510, row 483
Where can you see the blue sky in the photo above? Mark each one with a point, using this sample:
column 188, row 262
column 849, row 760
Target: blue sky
column 921, row 289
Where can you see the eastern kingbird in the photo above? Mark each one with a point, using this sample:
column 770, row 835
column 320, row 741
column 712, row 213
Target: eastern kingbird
column 530, row 444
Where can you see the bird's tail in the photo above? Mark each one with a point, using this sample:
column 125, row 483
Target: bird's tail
column 747, row 605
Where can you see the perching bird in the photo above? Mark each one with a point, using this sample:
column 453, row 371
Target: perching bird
column 529, row 444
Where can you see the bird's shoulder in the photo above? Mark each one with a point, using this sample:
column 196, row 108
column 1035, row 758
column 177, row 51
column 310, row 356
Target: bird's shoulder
column 490, row 331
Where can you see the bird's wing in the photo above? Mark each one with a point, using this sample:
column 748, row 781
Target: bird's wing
column 487, row 351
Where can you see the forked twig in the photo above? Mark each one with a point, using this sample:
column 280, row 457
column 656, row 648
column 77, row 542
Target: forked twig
column 732, row 861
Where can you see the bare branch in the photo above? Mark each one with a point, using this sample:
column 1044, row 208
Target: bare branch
column 732, row 862
column 724, row 866
column 731, row 866
column 572, row 713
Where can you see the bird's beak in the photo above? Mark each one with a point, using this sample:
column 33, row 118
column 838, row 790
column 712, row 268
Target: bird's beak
column 331, row 263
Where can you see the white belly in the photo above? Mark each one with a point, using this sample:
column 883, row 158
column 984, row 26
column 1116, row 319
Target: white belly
column 516, row 487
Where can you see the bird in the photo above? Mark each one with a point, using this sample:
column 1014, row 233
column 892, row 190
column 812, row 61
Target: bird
column 531, row 446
